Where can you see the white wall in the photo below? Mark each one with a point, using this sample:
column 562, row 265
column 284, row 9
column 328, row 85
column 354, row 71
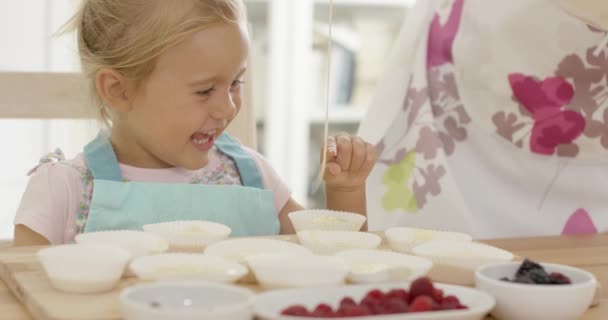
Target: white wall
column 28, row 43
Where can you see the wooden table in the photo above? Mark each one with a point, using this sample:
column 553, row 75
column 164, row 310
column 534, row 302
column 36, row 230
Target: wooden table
column 587, row 252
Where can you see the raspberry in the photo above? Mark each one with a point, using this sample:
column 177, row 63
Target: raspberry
column 421, row 287
column 450, row 303
column 451, row 298
column 376, row 294
column 374, row 305
column 353, row 311
column 295, row 311
column 438, row 295
column 423, row 304
column 323, row 310
column 558, row 278
column 381, row 308
column 324, row 307
column 400, row 294
column 395, row 305
column 347, row 302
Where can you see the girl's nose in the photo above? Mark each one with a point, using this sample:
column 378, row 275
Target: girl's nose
column 225, row 108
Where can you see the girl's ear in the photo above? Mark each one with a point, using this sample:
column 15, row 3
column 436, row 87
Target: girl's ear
column 113, row 88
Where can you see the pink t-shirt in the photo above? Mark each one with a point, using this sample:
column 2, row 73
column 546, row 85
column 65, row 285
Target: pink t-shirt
column 58, row 195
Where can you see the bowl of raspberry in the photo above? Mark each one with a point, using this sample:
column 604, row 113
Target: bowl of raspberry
column 418, row 300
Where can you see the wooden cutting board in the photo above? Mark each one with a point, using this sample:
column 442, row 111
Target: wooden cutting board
column 23, row 274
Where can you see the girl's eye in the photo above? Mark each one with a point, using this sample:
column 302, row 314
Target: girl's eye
column 237, row 84
column 206, row 92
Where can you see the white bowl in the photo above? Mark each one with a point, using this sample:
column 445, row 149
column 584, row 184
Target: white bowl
column 139, row 243
column 186, row 301
column 370, row 266
column 331, row 242
column 270, row 304
column 239, row 250
column 405, row 239
column 287, row 270
column 81, row 268
column 538, row 302
column 192, row 236
column 326, row 220
column 186, row 265
column 455, row 262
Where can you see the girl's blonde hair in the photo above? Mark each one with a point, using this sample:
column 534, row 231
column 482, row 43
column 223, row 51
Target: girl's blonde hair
column 128, row 35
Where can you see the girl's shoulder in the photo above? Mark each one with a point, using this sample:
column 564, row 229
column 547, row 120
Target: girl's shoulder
column 53, row 196
column 54, row 164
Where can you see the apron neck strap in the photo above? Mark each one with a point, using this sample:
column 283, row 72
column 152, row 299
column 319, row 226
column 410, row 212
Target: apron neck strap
column 248, row 170
column 102, row 162
column 101, row 159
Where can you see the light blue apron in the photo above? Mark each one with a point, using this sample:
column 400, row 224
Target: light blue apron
column 118, row 205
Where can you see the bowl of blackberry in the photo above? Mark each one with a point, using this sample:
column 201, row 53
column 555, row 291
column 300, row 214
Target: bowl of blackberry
column 532, row 290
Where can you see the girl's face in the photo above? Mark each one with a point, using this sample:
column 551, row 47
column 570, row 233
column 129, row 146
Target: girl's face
column 187, row 101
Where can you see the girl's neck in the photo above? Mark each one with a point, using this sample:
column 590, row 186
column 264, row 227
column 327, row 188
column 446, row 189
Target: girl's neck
column 129, row 152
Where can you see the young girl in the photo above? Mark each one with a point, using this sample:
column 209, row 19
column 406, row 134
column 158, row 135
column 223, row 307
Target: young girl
column 167, row 76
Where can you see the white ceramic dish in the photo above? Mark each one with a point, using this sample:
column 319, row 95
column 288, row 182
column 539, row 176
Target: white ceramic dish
column 81, row 268
column 405, row 239
column 187, row 265
column 239, row 250
column 138, row 243
column 455, row 262
column 269, row 305
column 287, row 270
column 371, row 266
column 538, row 302
column 190, row 236
column 332, row 242
column 326, row 220
column 186, row 301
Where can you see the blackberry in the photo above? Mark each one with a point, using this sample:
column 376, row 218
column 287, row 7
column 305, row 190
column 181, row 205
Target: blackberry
column 523, row 278
column 540, row 276
column 527, row 266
